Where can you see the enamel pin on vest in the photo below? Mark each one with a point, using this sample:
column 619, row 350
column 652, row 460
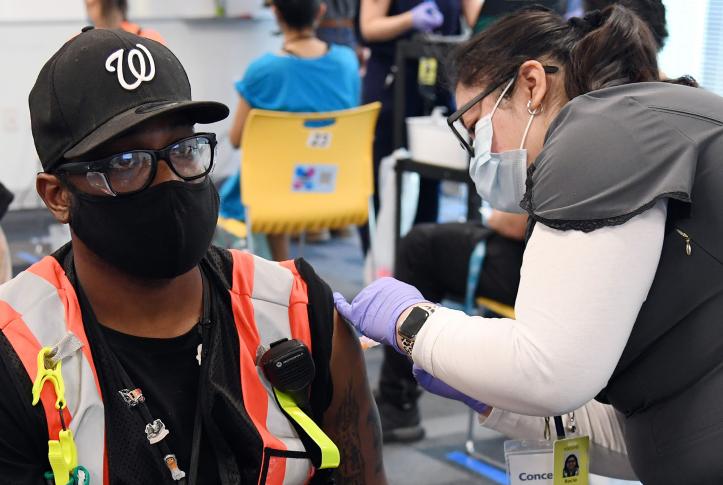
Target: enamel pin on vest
column 132, row 397
column 156, row 431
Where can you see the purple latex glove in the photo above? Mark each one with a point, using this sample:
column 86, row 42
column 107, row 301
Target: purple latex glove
column 438, row 387
column 375, row 310
column 426, row 16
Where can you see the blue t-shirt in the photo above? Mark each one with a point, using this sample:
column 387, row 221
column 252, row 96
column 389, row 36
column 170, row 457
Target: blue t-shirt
column 295, row 84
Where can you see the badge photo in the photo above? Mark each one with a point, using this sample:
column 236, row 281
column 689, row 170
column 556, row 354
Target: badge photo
column 571, row 457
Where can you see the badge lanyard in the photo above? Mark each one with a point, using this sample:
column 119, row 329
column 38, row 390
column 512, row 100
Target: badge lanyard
column 133, row 396
column 571, row 458
column 544, row 461
column 559, row 428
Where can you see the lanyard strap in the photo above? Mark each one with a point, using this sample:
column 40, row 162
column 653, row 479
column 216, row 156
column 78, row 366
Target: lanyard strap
column 155, row 429
column 205, row 326
column 559, row 428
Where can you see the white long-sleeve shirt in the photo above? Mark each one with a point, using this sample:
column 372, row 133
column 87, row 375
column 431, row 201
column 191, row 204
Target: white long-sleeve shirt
column 578, row 299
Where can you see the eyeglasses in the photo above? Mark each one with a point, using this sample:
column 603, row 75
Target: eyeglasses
column 457, row 115
column 133, row 171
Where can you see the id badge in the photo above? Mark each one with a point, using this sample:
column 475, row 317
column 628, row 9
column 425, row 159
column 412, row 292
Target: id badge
column 572, row 463
column 427, row 73
column 529, row 462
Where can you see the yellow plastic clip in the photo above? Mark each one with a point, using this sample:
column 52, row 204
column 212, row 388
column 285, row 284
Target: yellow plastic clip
column 62, row 453
column 63, row 457
column 330, row 457
column 48, row 370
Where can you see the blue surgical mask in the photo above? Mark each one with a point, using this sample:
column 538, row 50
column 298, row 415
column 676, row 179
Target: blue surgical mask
column 499, row 177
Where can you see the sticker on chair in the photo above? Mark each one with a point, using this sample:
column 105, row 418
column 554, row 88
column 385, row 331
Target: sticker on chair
column 314, row 178
column 319, row 139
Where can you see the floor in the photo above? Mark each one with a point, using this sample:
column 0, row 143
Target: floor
column 439, row 459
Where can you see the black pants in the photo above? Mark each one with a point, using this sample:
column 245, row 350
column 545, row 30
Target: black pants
column 435, row 259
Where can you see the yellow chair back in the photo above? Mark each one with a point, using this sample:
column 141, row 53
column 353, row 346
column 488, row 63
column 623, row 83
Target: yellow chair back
column 307, row 171
column 495, row 306
column 232, row 226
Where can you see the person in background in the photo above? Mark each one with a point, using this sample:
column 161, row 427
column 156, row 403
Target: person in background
column 6, row 260
column 337, row 24
column 382, row 24
column 113, row 14
column 307, row 75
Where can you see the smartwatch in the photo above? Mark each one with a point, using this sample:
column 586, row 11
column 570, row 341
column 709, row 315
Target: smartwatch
column 411, row 326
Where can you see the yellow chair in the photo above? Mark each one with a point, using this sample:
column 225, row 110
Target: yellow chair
column 230, row 233
column 307, row 171
column 488, row 305
column 232, row 226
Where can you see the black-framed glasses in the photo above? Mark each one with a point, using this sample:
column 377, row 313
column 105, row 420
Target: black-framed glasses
column 457, row 115
column 129, row 172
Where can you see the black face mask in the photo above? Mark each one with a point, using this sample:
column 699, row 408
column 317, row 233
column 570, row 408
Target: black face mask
column 161, row 232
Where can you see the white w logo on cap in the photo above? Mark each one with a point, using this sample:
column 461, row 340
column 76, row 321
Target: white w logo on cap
column 138, row 71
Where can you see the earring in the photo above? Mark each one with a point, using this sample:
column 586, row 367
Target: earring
column 535, row 111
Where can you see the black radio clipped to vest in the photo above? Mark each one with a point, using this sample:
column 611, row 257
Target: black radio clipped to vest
column 289, row 367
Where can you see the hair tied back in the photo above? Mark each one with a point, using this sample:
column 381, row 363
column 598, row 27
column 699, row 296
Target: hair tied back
column 592, row 20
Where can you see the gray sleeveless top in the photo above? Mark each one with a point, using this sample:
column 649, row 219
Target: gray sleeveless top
column 609, row 155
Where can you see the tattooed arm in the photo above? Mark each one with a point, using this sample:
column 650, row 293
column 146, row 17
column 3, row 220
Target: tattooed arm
column 352, row 420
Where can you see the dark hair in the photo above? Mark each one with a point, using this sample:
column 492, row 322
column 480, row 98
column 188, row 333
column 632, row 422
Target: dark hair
column 574, row 457
column 298, row 14
column 106, row 6
column 652, row 12
column 603, row 49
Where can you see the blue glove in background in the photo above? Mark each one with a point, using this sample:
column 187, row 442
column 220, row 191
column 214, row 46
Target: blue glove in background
column 375, row 310
column 426, row 16
column 440, row 388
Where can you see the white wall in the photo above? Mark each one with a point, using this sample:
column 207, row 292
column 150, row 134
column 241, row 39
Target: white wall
column 215, row 53
column 54, row 10
column 683, row 52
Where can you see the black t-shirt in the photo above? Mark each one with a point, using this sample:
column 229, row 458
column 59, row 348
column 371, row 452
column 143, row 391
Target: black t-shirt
column 167, row 370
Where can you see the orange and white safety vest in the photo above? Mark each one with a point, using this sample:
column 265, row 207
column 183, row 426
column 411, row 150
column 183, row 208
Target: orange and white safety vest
column 269, row 300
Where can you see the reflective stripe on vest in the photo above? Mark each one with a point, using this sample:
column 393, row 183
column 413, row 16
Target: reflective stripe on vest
column 39, row 306
column 267, row 308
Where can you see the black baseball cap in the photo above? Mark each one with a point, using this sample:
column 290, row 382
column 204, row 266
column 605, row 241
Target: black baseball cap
column 101, row 84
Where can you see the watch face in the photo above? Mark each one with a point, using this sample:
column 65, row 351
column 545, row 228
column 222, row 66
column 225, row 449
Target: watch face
column 413, row 323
